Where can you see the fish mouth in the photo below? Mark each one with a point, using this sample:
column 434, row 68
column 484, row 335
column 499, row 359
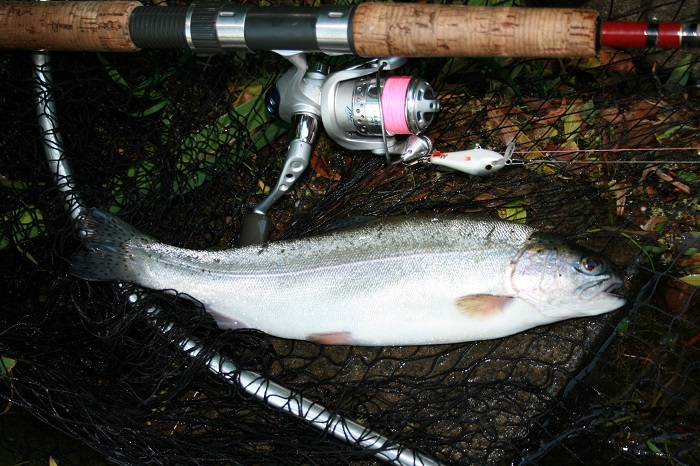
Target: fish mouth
column 603, row 288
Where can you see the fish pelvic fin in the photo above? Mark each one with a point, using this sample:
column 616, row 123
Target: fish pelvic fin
column 109, row 245
column 333, row 338
column 482, row 305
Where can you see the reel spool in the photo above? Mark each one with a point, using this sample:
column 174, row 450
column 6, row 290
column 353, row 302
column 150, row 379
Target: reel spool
column 360, row 109
column 407, row 106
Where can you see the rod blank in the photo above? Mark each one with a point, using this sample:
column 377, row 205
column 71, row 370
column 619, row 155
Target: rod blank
column 652, row 34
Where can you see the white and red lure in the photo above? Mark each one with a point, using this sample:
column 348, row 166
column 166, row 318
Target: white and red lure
column 477, row 161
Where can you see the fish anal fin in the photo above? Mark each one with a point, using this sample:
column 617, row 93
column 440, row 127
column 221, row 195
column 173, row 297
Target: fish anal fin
column 332, row 338
column 482, row 305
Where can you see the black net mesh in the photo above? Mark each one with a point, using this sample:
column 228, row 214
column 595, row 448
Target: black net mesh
column 181, row 147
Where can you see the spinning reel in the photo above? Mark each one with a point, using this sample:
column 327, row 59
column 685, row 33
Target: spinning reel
column 360, row 109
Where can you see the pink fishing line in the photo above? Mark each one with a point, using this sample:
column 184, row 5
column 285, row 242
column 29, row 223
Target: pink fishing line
column 394, row 104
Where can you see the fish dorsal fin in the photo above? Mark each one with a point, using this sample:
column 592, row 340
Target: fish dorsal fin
column 482, row 305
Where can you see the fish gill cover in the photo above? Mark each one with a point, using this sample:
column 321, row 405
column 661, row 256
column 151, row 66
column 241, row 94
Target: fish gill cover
column 181, row 147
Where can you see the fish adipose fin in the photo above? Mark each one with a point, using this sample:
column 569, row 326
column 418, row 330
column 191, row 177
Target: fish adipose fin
column 334, row 338
column 108, row 246
column 482, row 305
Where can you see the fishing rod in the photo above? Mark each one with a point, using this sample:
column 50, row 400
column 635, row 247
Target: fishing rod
column 359, row 107
column 367, row 29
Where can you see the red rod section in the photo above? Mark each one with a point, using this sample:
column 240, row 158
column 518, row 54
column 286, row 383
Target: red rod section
column 619, row 34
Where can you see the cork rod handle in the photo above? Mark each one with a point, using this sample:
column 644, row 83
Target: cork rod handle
column 89, row 26
column 376, row 29
column 409, row 30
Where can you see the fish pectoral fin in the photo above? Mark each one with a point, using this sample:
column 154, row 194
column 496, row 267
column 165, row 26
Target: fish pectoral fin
column 482, row 305
column 231, row 324
column 333, row 338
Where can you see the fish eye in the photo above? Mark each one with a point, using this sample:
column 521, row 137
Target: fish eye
column 591, row 265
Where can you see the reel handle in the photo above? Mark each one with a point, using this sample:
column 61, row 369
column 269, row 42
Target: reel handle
column 257, row 225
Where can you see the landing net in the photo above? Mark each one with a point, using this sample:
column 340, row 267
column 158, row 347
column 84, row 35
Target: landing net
column 181, row 147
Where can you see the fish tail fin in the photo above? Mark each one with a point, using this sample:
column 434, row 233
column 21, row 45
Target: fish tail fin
column 109, row 246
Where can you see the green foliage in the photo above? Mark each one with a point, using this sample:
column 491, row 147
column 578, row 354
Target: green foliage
column 6, row 365
column 26, row 223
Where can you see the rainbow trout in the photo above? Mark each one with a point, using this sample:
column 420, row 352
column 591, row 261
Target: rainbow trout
column 396, row 281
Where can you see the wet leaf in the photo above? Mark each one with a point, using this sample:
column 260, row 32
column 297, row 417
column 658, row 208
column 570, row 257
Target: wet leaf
column 680, row 74
column 321, row 167
column 589, row 64
column 679, row 296
column 624, row 325
column 553, row 114
column 681, row 186
column 6, row 365
column 247, row 94
column 513, row 211
column 618, row 61
column 689, row 177
column 27, row 223
column 689, row 264
column 574, row 120
column 692, row 279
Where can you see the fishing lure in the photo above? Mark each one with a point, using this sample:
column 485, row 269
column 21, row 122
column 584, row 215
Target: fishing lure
column 477, row 161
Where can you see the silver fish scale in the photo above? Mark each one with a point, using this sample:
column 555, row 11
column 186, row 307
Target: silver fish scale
column 381, row 239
